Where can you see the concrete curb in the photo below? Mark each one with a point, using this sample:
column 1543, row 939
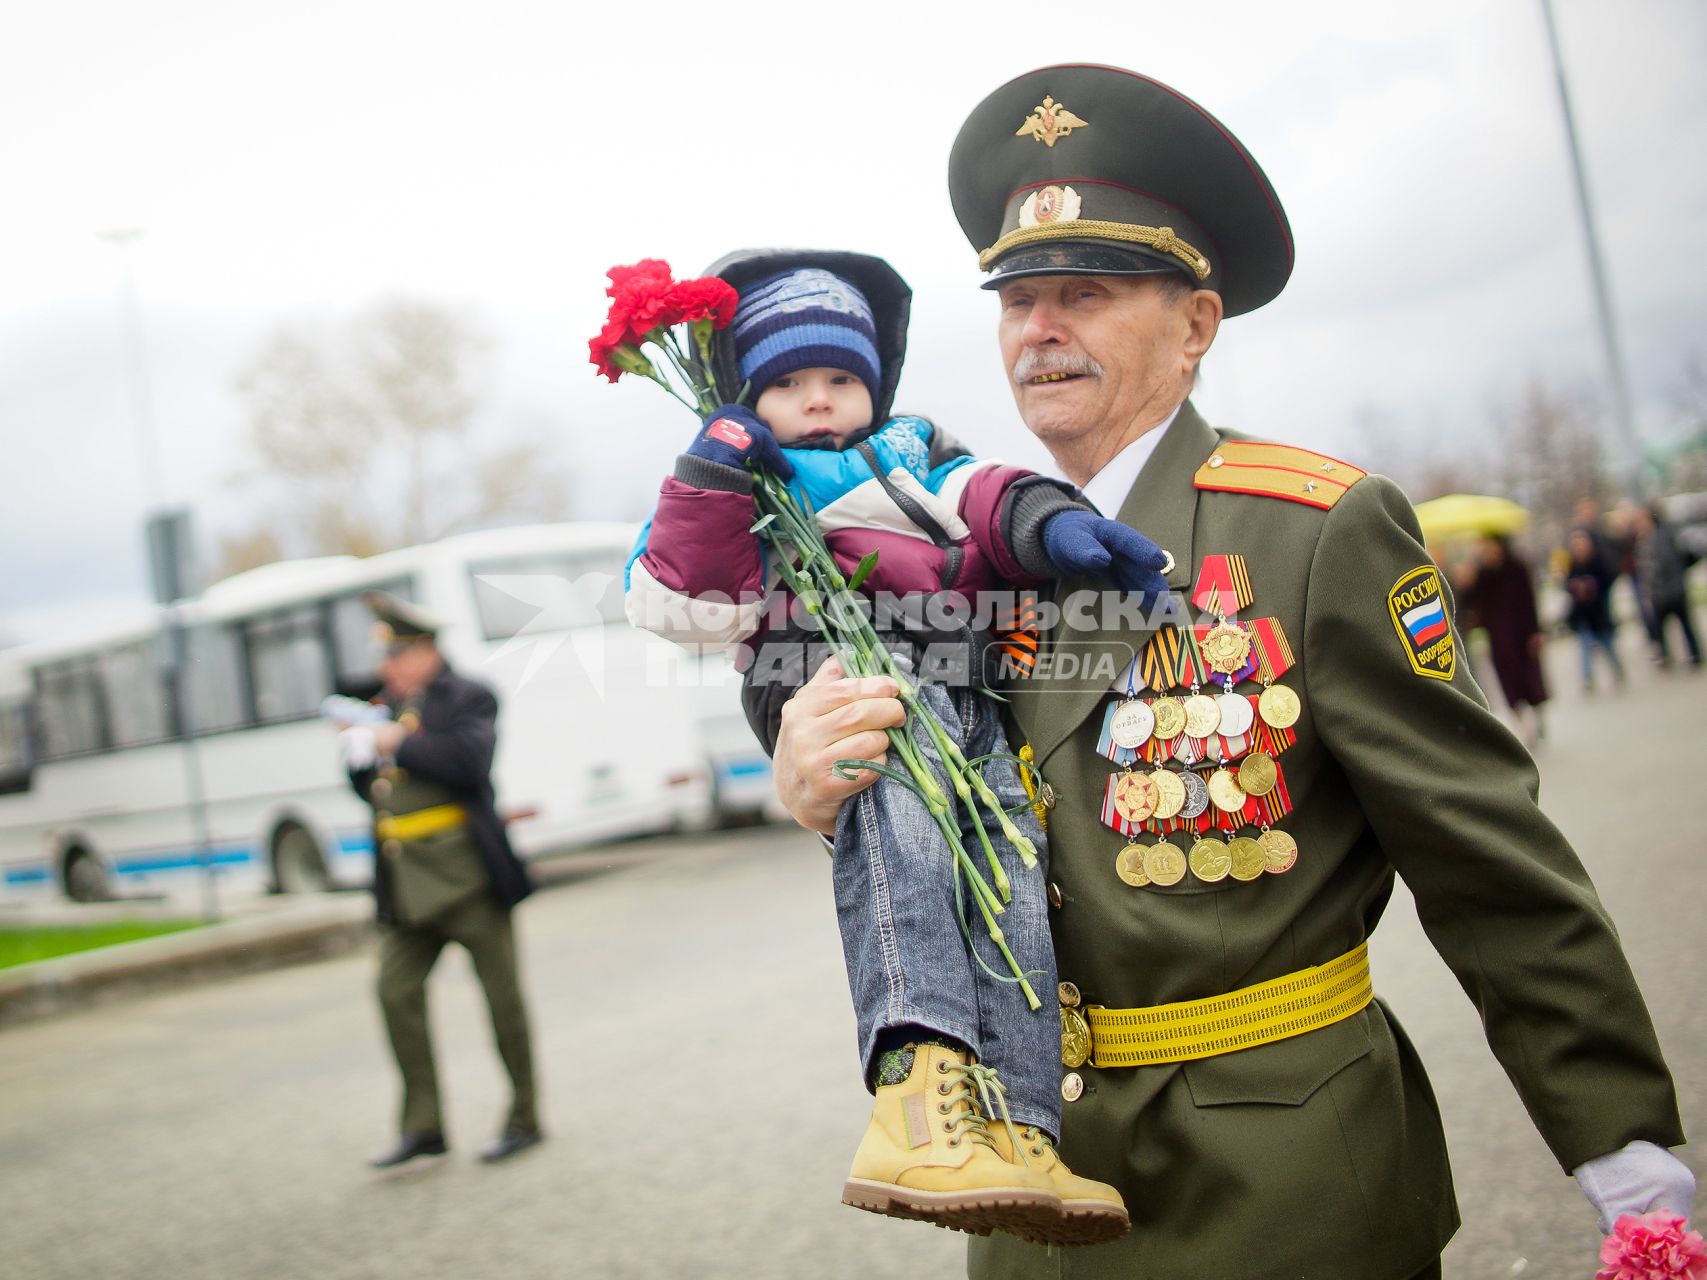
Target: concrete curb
column 318, row 928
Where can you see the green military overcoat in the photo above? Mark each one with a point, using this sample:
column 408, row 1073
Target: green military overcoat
column 1321, row 1157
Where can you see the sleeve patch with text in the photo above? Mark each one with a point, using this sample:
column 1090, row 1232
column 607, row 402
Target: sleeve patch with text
column 1418, row 608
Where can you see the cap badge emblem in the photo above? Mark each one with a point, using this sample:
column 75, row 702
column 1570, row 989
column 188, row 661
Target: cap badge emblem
column 1050, row 204
column 1049, row 122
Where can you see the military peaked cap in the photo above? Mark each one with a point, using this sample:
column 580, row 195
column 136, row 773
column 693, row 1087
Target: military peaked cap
column 1090, row 170
column 399, row 621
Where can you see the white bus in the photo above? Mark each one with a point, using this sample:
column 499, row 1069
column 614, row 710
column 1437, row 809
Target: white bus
column 604, row 730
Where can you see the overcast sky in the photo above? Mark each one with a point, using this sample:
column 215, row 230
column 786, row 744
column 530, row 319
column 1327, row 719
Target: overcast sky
column 296, row 163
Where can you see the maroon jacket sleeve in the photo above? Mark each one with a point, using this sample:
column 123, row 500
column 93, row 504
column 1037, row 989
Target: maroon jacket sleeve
column 700, row 542
column 1006, row 508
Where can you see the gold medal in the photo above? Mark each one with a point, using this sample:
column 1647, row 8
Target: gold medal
column 1225, row 792
column 1279, row 850
column 1164, row 863
column 1210, row 861
column 1257, row 773
column 1075, row 1031
column 1170, row 717
column 1249, row 861
column 1129, row 866
column 1202, row 716
column 1134, row 796
column 1170, row 793
column 1226, row 647
column 1279, row 706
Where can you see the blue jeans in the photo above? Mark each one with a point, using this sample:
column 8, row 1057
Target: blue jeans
column 1590, row 640
column 908, row 961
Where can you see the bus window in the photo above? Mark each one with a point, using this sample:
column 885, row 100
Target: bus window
column 17, row 756
column 289, row 664
column 547, row 593
column 135, row 695
column 73, row 721
column 215, row 691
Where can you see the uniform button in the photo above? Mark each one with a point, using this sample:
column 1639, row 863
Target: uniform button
column 1217, row 460
column 1072, row 1086
column 1047, row 795
column 380, row 789
column 392, row 848
column 1054, row 895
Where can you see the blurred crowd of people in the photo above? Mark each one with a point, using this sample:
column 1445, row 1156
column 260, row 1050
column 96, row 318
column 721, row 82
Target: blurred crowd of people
column 1496, row 587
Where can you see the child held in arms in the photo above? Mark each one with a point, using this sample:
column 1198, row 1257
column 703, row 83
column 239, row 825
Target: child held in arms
column 965, row 1076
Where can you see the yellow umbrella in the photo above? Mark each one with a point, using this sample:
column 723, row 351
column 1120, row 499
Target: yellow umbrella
column 1470, row 513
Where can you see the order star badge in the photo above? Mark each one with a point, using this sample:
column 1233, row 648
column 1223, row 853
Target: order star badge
column 1049, row 122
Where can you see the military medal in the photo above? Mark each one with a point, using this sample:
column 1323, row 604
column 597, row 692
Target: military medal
column 1279, row 850
column 1134, row 796
column 1209, row 860
column 1224, row 791
column 1279, row 706
column 1170, row 717
column 1129, row 866
column 1202, row 716
column 1164, row 863
column 1248, row 859
column 1075, row 1031
column 1170, row 793
column 1132, row 723
column 1236, row 714
column 1257, row 774
column 1196, row 795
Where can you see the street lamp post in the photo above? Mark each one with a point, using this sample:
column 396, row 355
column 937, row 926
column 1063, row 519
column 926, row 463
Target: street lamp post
column 1632, row 480
column 167, row 534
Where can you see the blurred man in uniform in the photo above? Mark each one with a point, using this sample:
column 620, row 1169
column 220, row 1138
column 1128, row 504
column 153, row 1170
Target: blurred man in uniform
column 1235, row 782
column 443, row 871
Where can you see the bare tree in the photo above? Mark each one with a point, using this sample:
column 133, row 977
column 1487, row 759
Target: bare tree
column 367, row 438
column 1550, row 456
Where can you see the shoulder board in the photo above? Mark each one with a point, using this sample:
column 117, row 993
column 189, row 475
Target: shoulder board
column 1277, row 471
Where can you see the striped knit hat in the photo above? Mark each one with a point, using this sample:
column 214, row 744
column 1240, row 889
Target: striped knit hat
column 804, row 319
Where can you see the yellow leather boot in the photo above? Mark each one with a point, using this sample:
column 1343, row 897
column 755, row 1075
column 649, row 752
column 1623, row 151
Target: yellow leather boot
column 927, row 1154
column 1091, row 1212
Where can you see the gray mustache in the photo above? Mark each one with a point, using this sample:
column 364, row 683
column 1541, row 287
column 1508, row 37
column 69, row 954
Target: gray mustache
column 1033, row 363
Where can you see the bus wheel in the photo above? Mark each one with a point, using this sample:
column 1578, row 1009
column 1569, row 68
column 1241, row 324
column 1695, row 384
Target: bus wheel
column 85, row 877
column 298, row 864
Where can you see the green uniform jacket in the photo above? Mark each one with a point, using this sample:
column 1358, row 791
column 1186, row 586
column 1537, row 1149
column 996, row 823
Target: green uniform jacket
column 1322, row 1157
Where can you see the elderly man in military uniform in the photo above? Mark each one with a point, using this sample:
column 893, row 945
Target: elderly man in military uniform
column 443, row 871
column 1236, row 780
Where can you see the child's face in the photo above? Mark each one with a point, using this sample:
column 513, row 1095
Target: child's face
column 818, row 404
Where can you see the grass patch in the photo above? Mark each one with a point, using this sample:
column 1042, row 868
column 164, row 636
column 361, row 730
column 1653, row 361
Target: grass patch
column 22, row 945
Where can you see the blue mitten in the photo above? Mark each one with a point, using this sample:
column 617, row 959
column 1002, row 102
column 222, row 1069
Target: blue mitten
column 734, row 436
column 1081, row 542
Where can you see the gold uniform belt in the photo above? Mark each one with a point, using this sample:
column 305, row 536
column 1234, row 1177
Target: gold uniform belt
column 1242, row 1019
column 421, row 823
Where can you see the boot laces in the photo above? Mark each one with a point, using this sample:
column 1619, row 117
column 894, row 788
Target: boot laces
column 984, row 1093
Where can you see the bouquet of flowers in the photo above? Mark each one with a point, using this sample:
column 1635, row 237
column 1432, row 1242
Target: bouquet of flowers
column 676, row 319
column 1653, row 1246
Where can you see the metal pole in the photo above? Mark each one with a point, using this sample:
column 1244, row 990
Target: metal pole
column 1621, row 409
column 176, row 674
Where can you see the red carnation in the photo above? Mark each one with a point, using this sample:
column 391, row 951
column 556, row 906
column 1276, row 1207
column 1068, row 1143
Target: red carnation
column 707, row 298
column 639, row 297
column 600, row 349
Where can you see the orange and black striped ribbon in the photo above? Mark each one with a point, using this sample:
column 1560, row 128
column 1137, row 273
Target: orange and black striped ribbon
column 1223, row 586
column 1017, row 636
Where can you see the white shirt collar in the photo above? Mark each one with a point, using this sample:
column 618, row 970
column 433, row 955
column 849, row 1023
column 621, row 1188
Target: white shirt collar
column 1107, row 489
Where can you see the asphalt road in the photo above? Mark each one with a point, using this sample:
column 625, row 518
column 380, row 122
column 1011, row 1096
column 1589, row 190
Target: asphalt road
column 702, row 1102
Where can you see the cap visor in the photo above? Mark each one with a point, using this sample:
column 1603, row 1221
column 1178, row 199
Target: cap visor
column 1080, row 258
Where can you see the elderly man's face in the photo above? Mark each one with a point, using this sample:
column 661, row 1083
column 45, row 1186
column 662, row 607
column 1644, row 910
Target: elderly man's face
column 1099, row 356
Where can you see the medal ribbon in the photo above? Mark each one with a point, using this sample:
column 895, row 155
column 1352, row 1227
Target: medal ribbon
column 1274, row 654
column 1278, row 802
column 1170, row 658
column 1265, row 737
column 1223, row 585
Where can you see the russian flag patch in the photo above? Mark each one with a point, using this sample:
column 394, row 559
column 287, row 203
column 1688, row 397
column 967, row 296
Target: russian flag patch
column 1418, row 607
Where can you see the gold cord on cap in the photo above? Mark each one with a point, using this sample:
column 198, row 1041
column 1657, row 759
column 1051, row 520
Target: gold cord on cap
column 1161, row 239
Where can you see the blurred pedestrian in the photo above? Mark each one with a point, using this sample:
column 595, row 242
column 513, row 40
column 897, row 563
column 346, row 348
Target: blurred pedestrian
column 443, row 871
column 1588, row 585
column 1662, row 564
column 1500, row 590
